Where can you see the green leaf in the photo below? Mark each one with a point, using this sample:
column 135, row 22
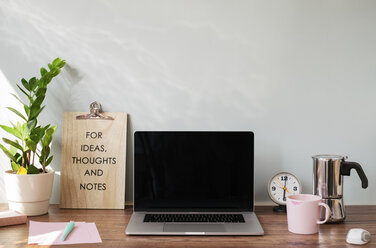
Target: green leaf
column 61, row 64
column 36, row 134
column 11, row 130
column 19, row 127
column 50, row 66
column 15, row 96
column 32, row 170
column 13, row 150
column 38, row 101
column 32, row 124
column 41, row 91
column 55, row 71
column 47, row 151
column 25, row 131
column 25, row 84
column 13, row 143
column 49, row 160
column 48, row 78
column 42, row 81
column 48, row 136
column 23, row 91
column 33, row 83
column 35, row 112
column 35, row 108
column 41, row 157
column 54, row 128
column 8, row 153
column 31, row 145
column 17, row 113
column 56, row 61
column 43, row 71
column 18, row 158
column 15, row 166
column 27, row 111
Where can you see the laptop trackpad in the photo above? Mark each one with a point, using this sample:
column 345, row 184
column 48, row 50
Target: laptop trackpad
column 199, row 228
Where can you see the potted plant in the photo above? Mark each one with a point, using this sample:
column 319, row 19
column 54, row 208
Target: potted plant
column 29, row 187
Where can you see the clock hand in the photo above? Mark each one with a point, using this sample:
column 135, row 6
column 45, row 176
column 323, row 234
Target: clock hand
column 287, row 190
column 283, row 187
column 284, row 192
column 279, row 183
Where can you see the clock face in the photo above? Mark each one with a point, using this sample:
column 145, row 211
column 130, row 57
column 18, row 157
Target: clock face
column 282, row 185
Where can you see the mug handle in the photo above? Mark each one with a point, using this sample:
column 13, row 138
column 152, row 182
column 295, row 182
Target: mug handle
column 327, row 213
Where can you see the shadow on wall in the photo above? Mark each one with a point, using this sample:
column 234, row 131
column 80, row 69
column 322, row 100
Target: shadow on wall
column 5, row 116
column 129, row 162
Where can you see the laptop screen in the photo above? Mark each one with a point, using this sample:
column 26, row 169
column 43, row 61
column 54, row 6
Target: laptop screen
column 193, row 171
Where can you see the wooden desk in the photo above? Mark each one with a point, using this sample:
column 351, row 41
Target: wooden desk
column 111, row 226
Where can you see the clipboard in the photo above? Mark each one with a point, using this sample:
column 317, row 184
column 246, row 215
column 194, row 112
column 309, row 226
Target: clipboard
column 93, row 159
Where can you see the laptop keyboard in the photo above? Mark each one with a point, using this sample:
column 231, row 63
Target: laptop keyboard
column 217, row 218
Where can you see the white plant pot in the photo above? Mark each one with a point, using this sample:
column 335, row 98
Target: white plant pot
column 29, row 194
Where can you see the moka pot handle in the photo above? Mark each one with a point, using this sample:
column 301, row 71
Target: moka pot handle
column 346, row 168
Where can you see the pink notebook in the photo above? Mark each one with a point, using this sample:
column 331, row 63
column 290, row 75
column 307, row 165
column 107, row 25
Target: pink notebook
column 49, row 233
column 11, row 217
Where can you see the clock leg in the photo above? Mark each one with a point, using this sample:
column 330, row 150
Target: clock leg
column 280, row 209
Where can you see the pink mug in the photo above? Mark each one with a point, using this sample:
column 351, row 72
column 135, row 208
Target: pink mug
column 303, row 213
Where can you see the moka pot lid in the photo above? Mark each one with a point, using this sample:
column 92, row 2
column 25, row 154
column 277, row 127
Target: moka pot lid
column 328, row 157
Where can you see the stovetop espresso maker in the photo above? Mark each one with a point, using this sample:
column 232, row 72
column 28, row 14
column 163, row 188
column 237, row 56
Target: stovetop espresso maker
column 328, row 172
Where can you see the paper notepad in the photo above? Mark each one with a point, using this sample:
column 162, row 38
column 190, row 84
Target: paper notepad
column 49, row 233
column 11, row 217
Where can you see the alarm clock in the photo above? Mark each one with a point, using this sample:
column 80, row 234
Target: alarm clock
column 282, row 185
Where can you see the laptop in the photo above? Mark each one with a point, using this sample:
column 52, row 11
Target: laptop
column 193, row 183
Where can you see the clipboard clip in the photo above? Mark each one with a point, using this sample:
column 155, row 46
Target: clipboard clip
column 95, row 109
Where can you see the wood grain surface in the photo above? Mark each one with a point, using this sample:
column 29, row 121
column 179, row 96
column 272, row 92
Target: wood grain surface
column 111, row 226
column 93, row 162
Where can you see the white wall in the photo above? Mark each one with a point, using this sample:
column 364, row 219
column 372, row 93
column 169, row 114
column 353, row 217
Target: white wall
column 300, row 74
